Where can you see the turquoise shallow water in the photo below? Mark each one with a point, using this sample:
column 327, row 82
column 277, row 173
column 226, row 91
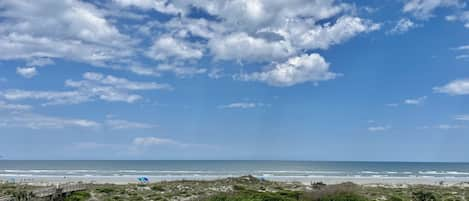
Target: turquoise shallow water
column 201, row 169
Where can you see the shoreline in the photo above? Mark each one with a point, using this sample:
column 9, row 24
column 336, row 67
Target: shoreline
column 122, row 180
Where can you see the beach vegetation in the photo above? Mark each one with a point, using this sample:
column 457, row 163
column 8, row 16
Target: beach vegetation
column 423, row 196
column 78, row 196
column 157, row 188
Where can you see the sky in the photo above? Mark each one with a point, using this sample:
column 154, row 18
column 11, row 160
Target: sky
column 345, row 80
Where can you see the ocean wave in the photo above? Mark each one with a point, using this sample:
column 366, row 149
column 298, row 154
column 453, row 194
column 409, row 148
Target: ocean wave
column 442, row 173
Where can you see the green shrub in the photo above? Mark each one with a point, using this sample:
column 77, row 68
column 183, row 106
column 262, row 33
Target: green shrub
column 105, row 190
column 239, row 188
column 157, row 188
column 423, row 196
column 395, row 198
column 254, row 196
column 342, row 196
column 78, row 196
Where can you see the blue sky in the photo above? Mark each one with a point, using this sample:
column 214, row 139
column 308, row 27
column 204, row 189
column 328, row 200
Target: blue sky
column 297, row 80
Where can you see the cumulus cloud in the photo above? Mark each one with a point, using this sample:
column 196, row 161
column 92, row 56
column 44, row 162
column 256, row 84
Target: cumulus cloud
column 424, row 8
column 167, row 47
column 27, row 72
column 402, row 26
column 326, row 35
column 416, row 101
column 456, row 87
column 262, row 32
column 241, row 46
column 73, row 30
column 162, row 6
column 304, row 68
column 93, row 86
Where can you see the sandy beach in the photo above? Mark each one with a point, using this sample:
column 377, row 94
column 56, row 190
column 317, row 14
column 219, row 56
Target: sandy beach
column 393, row 181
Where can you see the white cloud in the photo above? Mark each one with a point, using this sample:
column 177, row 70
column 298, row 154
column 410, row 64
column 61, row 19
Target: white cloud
column 40, row 61
column 311, row 36
column 119, row 83
column 304, row 68
column 181, row 71
column 463, row 56
column 465, row 51
column 53, row 97
column 124, row 124
column 241, row 46
column 59, row 29
column 280, row 42
column 456, row 87
column 242, row 105
column 257, row 14
column 424, row 8
column 463, row 117
column 163, row 6
column 216, row 73
column 167, row 47
column 15, row 107
column 402, row 26
column 463, row 47
column 378, row 128
column 140, row 144
column 448, row 126
column 462, row 17
column 443, row 127
column 259, row 31
column 27, row 72
column 20, row 118
column 154, row 141
column 93, row 86
column 36, row 121
column 416, row 101
column 145, row 71
column 95, row 145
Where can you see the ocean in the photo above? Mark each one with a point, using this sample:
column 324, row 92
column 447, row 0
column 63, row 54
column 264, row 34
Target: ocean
column 276, row 170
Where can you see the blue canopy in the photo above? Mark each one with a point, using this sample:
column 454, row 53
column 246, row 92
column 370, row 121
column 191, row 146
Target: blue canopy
column 143, row 179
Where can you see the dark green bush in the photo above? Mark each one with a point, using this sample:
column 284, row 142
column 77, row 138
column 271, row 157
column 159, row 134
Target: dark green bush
column 254, row 196
column 105, row 190
column 423, row 196
column 78, row 196
column 157, row 188
column 395, row 198
column 342, row 196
